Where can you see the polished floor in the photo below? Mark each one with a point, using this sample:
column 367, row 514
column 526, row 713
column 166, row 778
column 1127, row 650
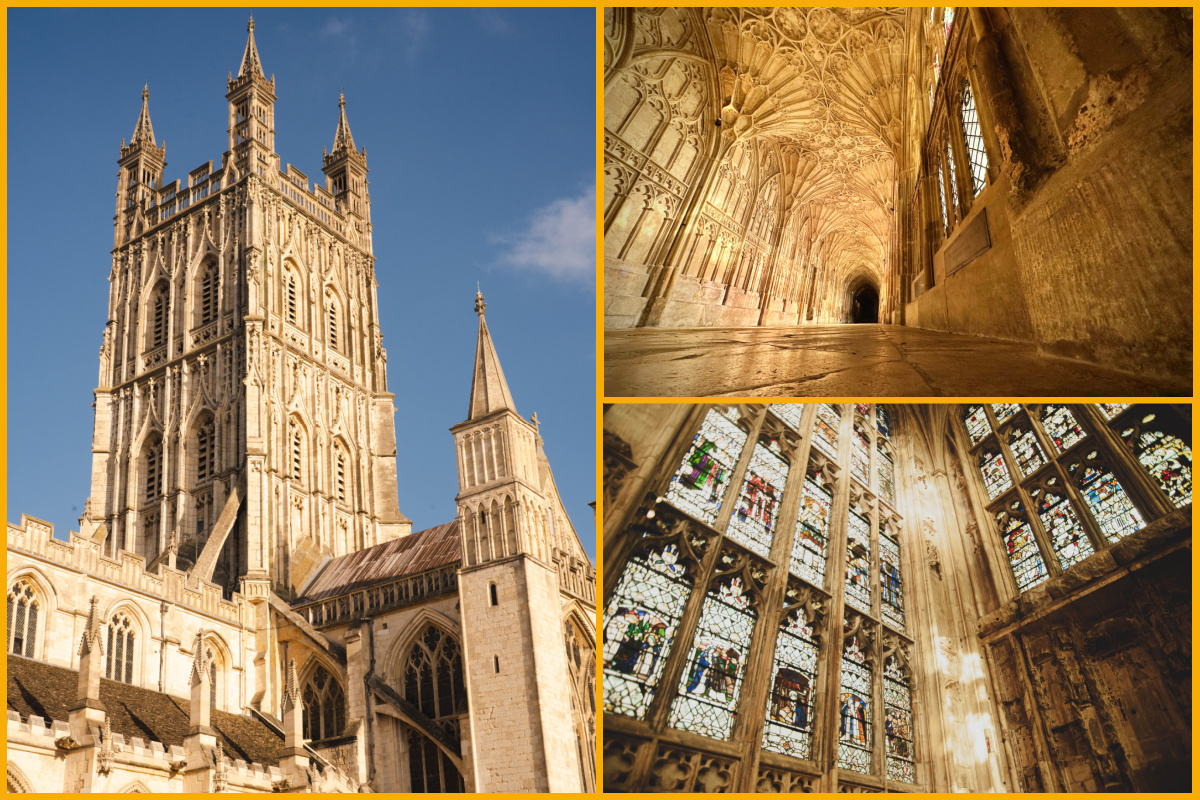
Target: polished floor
column 850, row 361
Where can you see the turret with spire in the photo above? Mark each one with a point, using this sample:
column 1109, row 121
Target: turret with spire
column 141, row 163
column 345, row 171
column 252, row 113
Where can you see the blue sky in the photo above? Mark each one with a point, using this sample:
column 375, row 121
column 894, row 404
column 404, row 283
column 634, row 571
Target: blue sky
column 479, row 127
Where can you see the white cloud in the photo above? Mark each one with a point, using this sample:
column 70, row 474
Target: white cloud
column 490, row 20
column 413, row 27
column 560, row 240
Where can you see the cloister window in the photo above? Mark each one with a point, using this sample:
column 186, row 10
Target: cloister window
column 23, row 606
column 324, row 705
column 433, row 682
column 119, row 653
column 955, row 205
column 941, row 194
column 973, row 136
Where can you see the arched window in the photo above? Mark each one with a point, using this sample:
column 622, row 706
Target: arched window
column 291, row 297
column 339, row 465
column 856, row 716
column 953, row 195
column 212, row 680
column 581, row 662
column 433, row 682
column 119, row 654
column 897, row 722
column 209, row 285
column 154, row 468
column 790, row 715
column 158, row 319
column 333, row 323
column 23, row 606
column 205, row 450
column 324, row 705
column 296, row 450
column 757, row 510
column 974, row 138
column 860, row 455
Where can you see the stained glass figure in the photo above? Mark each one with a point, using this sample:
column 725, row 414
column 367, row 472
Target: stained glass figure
column 863, row 408
column 973, row 135
column 639, row 626
column 1110, row 410
column 789, row 412
column 1023, row 555
column 812, row 533
column 825, row 430
column 1062, row 525
column 858, row 562
column 698, row 487
column 948, row 19
column 757, row 510
column 1027, row 452
column 1106, row 499
column 890, row 582
column 855, row 718
column 977, row 424
column 708, row 692
column 1166, row 457
column 995, row 474
column 1062, row 428
column 1004, row 411
column 860, row 456
column 897, row 723
column 887, row 475
column 788, row 728
column 883, row 422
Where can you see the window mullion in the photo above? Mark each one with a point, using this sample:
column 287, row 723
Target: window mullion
column 739, row 473
column 1049, row 557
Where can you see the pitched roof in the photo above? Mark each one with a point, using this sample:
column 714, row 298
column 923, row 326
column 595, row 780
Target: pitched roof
column 408, row 555
column 35, row 687
column 489, row 390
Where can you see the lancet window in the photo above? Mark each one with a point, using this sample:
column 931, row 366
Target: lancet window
column 158, row 318
column 205, row 450
column 788, row 728
column 324, row 705
column 973, row 136
column 119, row 653
column 209, row 286
column 154, row 468
column 897, row 721
column 23, row 607
column 856, row 715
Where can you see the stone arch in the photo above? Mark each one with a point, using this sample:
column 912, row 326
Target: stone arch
column 292, row 293
column 17, row 782
column 206, row 290
column 430, row 674
column 221, row 659
column 335, row 319
column 323, row 694
column 580, row 640
column 25, row 634
column 511, row 541
column 136, row 786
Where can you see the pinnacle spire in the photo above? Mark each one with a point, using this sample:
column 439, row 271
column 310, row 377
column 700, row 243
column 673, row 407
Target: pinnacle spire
column 251, row 63
column 144, row 131
column 342, row 140
column 489, row 390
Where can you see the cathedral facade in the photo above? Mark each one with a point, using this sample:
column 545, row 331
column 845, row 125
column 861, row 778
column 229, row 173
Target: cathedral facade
column 244, row 607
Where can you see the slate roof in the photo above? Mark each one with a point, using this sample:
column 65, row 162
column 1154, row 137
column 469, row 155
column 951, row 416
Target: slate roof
column 35, row 687
column 418, row 552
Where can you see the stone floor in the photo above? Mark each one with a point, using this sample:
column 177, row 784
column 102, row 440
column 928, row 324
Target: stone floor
column 850, row 361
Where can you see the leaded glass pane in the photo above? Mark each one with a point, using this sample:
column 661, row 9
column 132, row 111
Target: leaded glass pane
column 1110, row 410
column 1167, row 458
column 1027, row 452
column 1023, row 554
column 941, row 187
column 639, row 625
column 712, row 681
column 812, row 534
column 860, row 456
column 954, row 205
column 995, row 474
column 1062, row 525
column 977, row 424
column 883, row 422
column 757, row 510
column 858, row 563
column 1061, row 427
column 793, row 682
column 887, row 477
column 825, row 431
column 1004, row 411
column 1109, row 504
column 789, row 413
column 889, row 580
column 854, row 730
column 976, row 153
column 698, row 487
column 897, row 724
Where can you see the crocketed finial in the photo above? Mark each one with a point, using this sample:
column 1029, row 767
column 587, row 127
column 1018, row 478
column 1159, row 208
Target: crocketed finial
column 250, row 24
column 479, row 304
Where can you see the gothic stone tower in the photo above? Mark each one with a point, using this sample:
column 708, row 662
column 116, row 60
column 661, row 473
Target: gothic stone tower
column 515, row 535
column 243, row 426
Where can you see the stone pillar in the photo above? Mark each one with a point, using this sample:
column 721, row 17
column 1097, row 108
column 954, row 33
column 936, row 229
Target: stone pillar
column 358, row 663
column 88, row 715
column 201, row 739
column 294, row 763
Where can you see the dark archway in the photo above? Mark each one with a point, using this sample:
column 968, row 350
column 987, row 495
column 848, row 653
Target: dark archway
column 864, row 305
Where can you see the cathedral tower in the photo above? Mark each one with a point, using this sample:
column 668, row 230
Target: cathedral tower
column 243, row 424
column 516, row 537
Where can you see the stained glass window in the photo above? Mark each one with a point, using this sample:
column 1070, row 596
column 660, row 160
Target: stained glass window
column 22, row 619
column 708, row 692
column 118, row 664
column 995, row 474
column 883, row 422
column 948, row 19
column 1027, row 452
column 941, row 187
column 793, row 686
column 1062, row 525
column 887, row 475
column 858, row 562
column 954, row 204
column 1166, row 457
column 1004, row 411
column 863, row 408
column 897, row 723
column 1109, row 504
column 973, row 135
column 1023, row 554
column 825, row 431
column 977, row 424
column 789, row 413
column 812, row 533
column 1110, row 410
column 860, row 455
column 757, row 510
column 1061, row 427
column 854, row 730
column 890, row 582
column 698, row 487
column 639, row 625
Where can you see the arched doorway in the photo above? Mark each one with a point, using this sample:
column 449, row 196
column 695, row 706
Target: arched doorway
column 864, row 305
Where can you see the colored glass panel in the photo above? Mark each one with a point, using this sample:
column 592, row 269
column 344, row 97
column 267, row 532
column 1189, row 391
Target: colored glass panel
column 887, row 477
column 1110, row 410
column 1023, row 555
column 789, row 412
column 754, row 520
column 1062, row 525
column 860, row 456
column 977, row 424
column 973, row 135
column 855, row 717
column 1062, row 428
column 698, row 487
column 1167, row 458
column 858, row 563
column 890, row 582
column 948, row 19
column 1110, row 506
column 1027, row 452
column 788, row 728
column 825, row 431
column 1004, row 411
column 639, row 625
column 883, row 421
column 709, row 689
column 863, row 408
column 897, row 723
column 812, row 534
column 995, row 474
